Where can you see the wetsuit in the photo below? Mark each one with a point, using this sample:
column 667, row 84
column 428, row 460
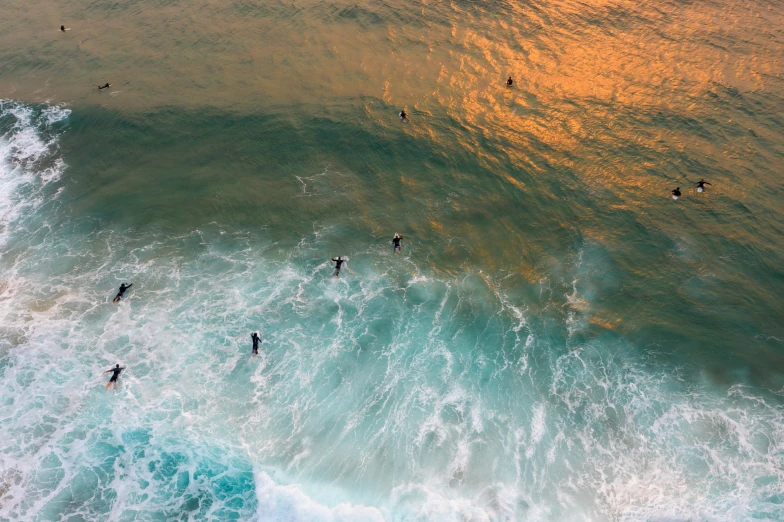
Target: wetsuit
column 255, row 337
column 103, row 86
column 116, row 373
column 509, row 82
column 338, row 262
column 676, row 194
column 123, row 288
column 396, row 243
column 701, row 185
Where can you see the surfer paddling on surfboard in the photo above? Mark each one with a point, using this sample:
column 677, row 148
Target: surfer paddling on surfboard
column 123, row 288
column 256, row 339
column 701, row 185
column 338, row 262
column 403, row 116
column 115, row 375
column 396, row 242
column 104, row 86
column 676, row 193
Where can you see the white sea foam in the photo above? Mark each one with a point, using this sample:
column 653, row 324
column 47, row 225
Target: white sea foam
column 380, row 396
column 25, row 144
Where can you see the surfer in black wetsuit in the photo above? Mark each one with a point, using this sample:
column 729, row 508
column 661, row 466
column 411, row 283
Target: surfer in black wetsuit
column 62, row 28
column 701, row 185
column 403, row 116
column 396, row 242
column 115, row 376
column 255, row 338
column 123, row 288
column 104, row 86
column 676, row 193
column 339, row 261
column 509, row 82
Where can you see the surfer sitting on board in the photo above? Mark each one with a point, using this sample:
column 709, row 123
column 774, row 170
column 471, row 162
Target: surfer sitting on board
column 123, row 288
column 255, row 338
column 403, row 116
column 509, row 82
column 339, row 261
column 676, row 193
column 104, row 86
column 396, row 242
column 115, row 376
column 701, row 185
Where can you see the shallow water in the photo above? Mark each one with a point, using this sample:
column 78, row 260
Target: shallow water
column 558, row 340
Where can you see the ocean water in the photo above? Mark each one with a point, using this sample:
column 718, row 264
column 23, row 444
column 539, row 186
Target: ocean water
column 558, row 341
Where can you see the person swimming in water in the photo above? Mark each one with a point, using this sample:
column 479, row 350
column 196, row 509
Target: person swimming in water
column 255, row 338
column 701, row 185
column 104, row 86
column 676, row 193
column 123, row 288
column 403, row 116
column 509, row 82
column 396, row 242
column 339, row 261
column 115, row 376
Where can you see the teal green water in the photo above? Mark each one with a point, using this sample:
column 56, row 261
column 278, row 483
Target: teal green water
column 559, row 340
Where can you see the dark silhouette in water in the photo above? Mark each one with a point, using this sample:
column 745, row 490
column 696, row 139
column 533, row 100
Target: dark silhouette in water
column 509, row 82
column 339, row 261
column 255, row 338
column 676, row 193
column 115, row 376
column 396, row 242
column 123, row 288
column 105, row 86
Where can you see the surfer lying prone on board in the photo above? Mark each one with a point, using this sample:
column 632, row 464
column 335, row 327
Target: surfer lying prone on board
column 338, row 262
column 115, row 375
column 123, row 288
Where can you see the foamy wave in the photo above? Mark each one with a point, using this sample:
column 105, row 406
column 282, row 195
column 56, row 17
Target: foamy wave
column 290, row 504
column 441, row 400
column 27, row 158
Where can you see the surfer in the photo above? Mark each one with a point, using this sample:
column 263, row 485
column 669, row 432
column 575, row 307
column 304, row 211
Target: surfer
column 255, row 338
column 339, row 261
column 62, row 28
column 509, row 82
column 396, row 242
column 115, row 375
column 403, row 116
column 676, row 193
column 104, row 86
column 701, row 185
column 123, row 288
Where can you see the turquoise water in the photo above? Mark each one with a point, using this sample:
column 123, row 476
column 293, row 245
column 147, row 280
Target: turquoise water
column 558, row 340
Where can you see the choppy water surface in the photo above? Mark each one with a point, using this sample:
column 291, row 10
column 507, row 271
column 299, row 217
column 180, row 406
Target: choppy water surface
column 558, row 340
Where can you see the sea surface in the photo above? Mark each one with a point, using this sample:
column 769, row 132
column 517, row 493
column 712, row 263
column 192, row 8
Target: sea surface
column 558, row 341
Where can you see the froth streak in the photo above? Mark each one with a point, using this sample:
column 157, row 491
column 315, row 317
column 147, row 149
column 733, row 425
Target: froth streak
column 399, row 393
